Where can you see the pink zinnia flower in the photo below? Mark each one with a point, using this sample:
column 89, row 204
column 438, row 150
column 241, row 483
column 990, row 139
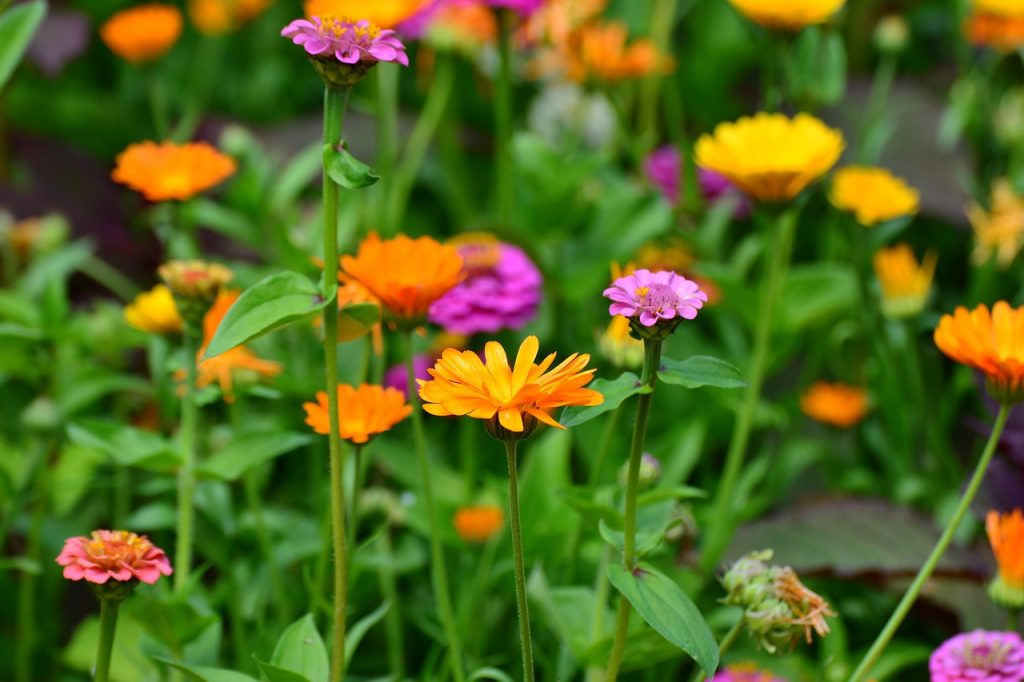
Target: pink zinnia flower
column 654, row 296
column 523, row 7
column 979, row 656
column 348, row 42
column 116, row 554
column 744, row 673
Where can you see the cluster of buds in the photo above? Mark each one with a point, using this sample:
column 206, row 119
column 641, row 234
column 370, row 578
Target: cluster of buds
column 195, row 285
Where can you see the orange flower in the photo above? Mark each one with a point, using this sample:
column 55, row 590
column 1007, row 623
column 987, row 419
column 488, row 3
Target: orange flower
column 216, row 17
column 406, row 274
column 991, row 342
column 383, row 13
column 1006, row 534
column 362, row 412
column 238, row 362
column 464, row 25
column 478, row 524
column 503, row 395
column 557, row 20
column 835, row 404
column 166, row 171
column 1002, row 32
column 600, row 51
column 142, row 33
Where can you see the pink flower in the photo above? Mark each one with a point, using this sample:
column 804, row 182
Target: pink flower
column 744, row 673
column 348, row 42
column 979, row 656
column 523, row 7
column 116, row 554
column 654, row 296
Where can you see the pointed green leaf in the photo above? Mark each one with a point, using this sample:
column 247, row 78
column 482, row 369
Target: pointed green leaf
column 347, row 170
column 301, row 650
column 273, row 673
column 17, row 26
column 615, row 392
column 199, row 673
column 358, row 631
column 700, row 370
column 126, row 445
column 251, row 449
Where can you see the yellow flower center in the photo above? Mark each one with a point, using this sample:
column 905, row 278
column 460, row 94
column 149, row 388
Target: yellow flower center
column 642, row 291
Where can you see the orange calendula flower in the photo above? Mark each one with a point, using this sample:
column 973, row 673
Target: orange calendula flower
column 873, row 195
column 771, row 157
column 557, row 20
column 511, row 398
column 990, row 342
column 237, row 363
column 602, row 51
column 790, row 15
column 383, row 13
column 407, row 275
column 1000, row 32
column 362, row 412
column 906, row 283
column 998, row 231
column 1006, row 535
column 462, row 25
column 835, row 404
column 142, row 33
column 167, row 171
column 216, row 17
column 154, row 312
column 478, row 524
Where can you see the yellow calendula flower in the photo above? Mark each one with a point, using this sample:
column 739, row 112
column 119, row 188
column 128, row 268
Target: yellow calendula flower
column 905, row 283
column 1006, row 8
column 382, row 13
column 790, row 15
column 618, row 346
column 154, row 312
column 771, row 157
column 873, row 195
column 998, row 231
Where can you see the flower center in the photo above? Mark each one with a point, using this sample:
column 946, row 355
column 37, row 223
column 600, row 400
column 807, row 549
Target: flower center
column 985, row 655
column 657, row 297
column 119, row 548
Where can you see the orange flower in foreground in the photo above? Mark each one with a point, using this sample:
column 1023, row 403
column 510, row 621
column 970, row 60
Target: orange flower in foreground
column 1006, row 534
column 239, row 362
column 511, row 398
column 407, row 275
column 835, row 404
column 166, row 171
column 142, row 33
column 362, row 412
column 478, row 524
column 991, row 342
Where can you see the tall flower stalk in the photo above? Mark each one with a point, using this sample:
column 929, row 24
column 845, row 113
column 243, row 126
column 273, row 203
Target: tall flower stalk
column 518, row 561
column 503, row 117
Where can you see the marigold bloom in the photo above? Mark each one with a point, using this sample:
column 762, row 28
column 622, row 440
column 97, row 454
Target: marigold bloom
column 873, row 195
column 406, row 274
column 142, row 33
column 113, row 555
column 1006, row 535
column 906, row 284
column 239, row 362
column 1001, row 32
column 771, row 157
column 651, row 297
column 478, row 524
column 166, row 171
column 363, row 412
column 194, row 279
column 1000, row 230
column 990, row 342
column 835, row 404
column 387, row 14
column 619, row 346
column 154, row 312
column 979, row 656
column 512, row 398
column 745, row 672
column 790, row 15
column 216, row 17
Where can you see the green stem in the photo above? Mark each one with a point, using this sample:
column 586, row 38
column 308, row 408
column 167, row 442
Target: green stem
column 652, row 361
column 393, row 618
column 663, row 18
column 601, row 586
column 903, row 608
column 157, row 94
column 252, row 498
column 503, row 118
column 724, row 646
column 773, row 69
column 186, row 474
column 110, row 277
column 439, row 570
column 27, row 591
column 387, row 142
column 881, row 86
column 522, row 608
column 105, row 647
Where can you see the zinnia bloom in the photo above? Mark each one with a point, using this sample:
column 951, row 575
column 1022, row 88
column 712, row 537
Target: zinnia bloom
column 990, row 342
column 113, row 555
column 979, row 656
column 501, row 289
column 663, row 168
column 835, row 404
column 216, row 17
column 769, row 156
column 407, row 275
column 650, row 297
column 906, row 284
column 343, row 51
column 363, row 412
column 1000, row 230
column 1006, row 535
column 142, row 33
column 384, row 13
column 237, row 363
column 478, row 524
column 166, row 171
column 511, row 398
column 745, row 672
column 873, row 195
column 154, row 312
column 790, row 15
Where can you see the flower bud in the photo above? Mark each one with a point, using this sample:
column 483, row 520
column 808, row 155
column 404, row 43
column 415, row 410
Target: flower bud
column 195, row 285
column 892, row 34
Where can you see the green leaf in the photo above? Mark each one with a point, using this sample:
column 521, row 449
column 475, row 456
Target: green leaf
column 251, row 449
column 647, row 539
column 273, row 673
column 347, row 170
column 199, row 673
column 126, row 445
column 274, row 302
column 301, row 650
column 358, row 631
column 677, row 492
column 489, row 674
column 17, row 26
column 615, row 392
column 667, row 609
column 813, row 294
column 19, row 563
column 356, row 320
column 700, row 370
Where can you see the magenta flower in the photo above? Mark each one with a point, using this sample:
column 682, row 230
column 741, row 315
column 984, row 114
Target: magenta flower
column 654, row 296
column 979, row 656
column 397, row 375
column 502, row 290
column 348, row 42
column 522, row 7
column 113, row 554
column 744, row 673
column 663, row 170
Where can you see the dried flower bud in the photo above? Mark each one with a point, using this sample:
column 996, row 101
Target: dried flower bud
column 195, row 285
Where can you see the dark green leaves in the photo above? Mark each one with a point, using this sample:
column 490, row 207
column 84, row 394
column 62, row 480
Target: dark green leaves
column 125, row 445
column 251, row 449
column 615, row 393
column 17, row 26
column 198, row 673
column 700, row 370
column 347, row 170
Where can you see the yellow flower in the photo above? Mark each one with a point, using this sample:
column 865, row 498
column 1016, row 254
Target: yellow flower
column 905, row 283
column 771, row 157
column 1005, row 8
column 791, row 15
column 835, row 404
column 873, row 195
column 382, row 13
column 618, row 346
column 1006, row 535
column 990, row 342
column 478, row 524
column 154, row 312
column 142, row 33
column 999, row 230
column 363, row 412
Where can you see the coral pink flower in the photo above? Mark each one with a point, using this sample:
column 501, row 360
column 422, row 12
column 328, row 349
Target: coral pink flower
column 654, row 296
column 979, row 656
column 116, row 554
column 348, row 42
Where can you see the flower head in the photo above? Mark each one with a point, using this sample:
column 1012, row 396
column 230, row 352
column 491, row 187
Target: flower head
column 999, row 230
column 478, row 524
column 745, row 672
column 168, row 171
column 663, row 168
column 344, row 51
column 619, row 346
column 769, row 156
column 154, row 312
column 835, row 404
column 990, row 342
column 1001, row 32
column 601, row 51
column 655, row 299
column 216, row 17
column 388, row 14
column 407, row 275
column 905, row 282
column 363, row 412
column 790, row 15
column 194, row 280
column 1006, row 535
column 143, row 32
column 512, row 398
column 113, row 555
column 873, row 195
column 455, row 24
column 980, row 656
column 650, row 471
column 231, row 365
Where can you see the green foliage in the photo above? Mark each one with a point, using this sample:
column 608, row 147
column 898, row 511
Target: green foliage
column 615, row 392
column 700, row 370
column 17, row 26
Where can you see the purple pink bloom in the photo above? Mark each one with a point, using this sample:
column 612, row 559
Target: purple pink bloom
column 745, row 672
column 113, row 554
column 663, row 170
column 979, row 656
column 348, row 42
column 654, row 296
column 523, row 7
